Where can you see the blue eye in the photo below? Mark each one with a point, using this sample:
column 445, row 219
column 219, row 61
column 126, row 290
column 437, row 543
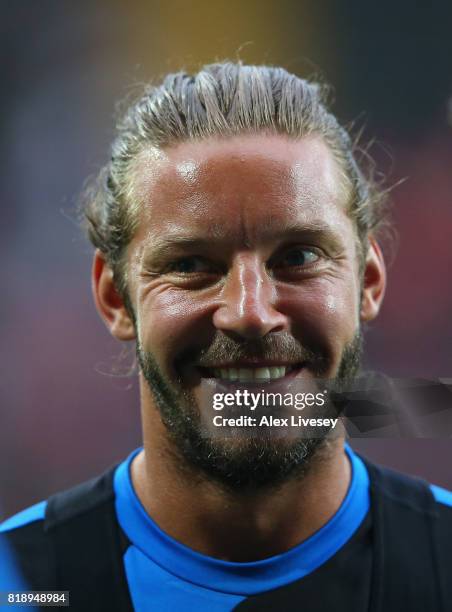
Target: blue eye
column 298, row 257
column 190, row 265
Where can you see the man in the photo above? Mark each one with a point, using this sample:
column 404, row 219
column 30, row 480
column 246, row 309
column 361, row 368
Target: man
column 236, row 244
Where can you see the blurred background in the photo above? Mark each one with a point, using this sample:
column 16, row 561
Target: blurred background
column 65, row 65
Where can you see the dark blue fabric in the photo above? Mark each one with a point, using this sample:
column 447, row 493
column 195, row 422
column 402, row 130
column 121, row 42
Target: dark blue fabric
column 442, row 496
column 11, row 578
column 29, row 515
column 160, row 569
column 327, row 571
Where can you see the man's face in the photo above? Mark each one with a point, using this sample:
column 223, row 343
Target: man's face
column 245, row 258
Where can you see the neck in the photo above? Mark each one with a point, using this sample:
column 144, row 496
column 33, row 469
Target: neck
column 237, row 526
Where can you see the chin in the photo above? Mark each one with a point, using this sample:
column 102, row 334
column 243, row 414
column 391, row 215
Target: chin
column 253, row 463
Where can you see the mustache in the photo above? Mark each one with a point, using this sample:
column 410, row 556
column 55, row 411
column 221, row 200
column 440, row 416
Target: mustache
column 280, row 346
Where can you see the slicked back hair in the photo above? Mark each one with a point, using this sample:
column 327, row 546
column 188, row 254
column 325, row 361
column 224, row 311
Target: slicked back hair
column 222, row 99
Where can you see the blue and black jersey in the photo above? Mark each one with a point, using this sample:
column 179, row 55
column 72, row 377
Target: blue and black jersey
column 388, row 547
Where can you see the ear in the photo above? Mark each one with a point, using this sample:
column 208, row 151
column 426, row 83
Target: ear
column 109, row 303
column 374, row 282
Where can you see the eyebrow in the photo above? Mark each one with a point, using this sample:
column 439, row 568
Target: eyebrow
column 162, row 247
column 314, row 229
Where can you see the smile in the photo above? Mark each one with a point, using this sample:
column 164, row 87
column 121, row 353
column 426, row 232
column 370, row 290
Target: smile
column 250, row 374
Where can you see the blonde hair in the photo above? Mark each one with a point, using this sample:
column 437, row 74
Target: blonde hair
column 221, row 99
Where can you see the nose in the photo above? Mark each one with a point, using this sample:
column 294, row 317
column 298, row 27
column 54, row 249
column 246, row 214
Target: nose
column 248, row 308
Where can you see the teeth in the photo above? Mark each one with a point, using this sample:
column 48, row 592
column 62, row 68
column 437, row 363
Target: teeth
column 249, row 374
column 233, row 373
column 262, row 373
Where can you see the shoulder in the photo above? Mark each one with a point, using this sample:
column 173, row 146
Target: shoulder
column 28, row 516
column 38, row 537
column 22, row 539
column 442, row 496
column 64, row 506
column 409, row 492
column 443, row 505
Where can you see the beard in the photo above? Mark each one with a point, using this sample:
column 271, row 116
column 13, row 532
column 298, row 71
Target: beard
column 249, row 463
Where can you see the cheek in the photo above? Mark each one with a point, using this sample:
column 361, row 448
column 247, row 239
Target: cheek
column 322, row 315
column 173, row 322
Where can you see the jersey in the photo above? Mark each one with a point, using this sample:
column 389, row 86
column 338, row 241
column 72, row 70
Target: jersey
column 386, row 548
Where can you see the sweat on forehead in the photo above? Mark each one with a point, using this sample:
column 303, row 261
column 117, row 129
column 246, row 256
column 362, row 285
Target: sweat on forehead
column 224, row 100
column 264, row 173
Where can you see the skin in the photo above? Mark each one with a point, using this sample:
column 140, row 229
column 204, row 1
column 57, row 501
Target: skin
column 253, row 203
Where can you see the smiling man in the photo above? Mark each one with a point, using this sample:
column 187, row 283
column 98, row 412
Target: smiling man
column 244, row 265
column 236, row 244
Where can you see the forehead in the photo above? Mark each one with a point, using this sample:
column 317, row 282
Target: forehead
column 237, row 186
